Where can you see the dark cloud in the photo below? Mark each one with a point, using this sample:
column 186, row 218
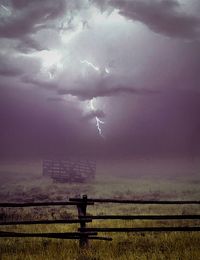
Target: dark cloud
column 14, row 65
column 30, row 17
column 40, row 83
column 27, row 44
column 164, row 17
column 103, row 88
column 7, row 68
column 86, row 94
column 148, row 96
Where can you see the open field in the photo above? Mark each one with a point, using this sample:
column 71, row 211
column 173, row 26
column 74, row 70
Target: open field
column 23, row 182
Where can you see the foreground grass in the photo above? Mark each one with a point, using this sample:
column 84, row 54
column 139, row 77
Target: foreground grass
column 124, row 246
column 149, row 246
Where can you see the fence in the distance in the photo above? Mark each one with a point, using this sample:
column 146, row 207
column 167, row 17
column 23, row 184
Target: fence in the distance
column 84, row 233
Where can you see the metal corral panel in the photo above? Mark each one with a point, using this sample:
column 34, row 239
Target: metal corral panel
column 71, row 170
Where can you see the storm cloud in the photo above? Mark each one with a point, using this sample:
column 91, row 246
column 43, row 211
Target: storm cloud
column 132, row 64
column 87, row 94
column 164, row 17
column 29, row 17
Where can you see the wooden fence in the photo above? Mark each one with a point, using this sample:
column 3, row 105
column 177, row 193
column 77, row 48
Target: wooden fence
column 84, row 233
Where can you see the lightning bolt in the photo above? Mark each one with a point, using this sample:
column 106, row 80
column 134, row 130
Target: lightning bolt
column 98, row 121
column 5, row 8
column 107, row 70
column 90, row 65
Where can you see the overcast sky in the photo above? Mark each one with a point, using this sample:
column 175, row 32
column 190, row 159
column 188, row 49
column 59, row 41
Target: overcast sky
column 105, row 77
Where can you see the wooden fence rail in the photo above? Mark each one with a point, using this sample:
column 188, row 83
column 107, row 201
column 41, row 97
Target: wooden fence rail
column 84, row 233
column 135, row 201
column 141, row 217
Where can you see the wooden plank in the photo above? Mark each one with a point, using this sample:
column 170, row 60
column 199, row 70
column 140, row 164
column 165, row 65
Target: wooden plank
column 143, row 229
column 67, row 235
column 39, row 204
column 61, row 221
column 138, row 201
column 143, row 217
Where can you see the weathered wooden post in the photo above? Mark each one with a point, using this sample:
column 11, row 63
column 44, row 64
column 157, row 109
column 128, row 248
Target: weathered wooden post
column 82, row 213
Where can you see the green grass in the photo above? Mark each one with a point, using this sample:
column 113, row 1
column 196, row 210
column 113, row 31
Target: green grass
column 23, row 182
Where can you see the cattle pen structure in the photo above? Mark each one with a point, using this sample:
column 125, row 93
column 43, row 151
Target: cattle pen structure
column 70, row 170
column 84, row 234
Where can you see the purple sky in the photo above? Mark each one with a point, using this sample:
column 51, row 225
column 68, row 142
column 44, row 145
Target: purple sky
column 99, row 77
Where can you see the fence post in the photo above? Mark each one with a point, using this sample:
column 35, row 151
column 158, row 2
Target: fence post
column 82, row 213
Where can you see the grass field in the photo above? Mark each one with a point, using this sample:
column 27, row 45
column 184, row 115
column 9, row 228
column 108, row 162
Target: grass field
column 23, row 182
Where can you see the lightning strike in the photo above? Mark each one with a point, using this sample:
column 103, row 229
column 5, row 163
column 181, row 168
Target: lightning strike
column 107, row 70
column 90, row 64
column 98, row 124
column 4, row 11
column 5, row 8
column 98, row 121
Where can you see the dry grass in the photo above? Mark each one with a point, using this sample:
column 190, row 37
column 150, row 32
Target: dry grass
column 124, row 246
